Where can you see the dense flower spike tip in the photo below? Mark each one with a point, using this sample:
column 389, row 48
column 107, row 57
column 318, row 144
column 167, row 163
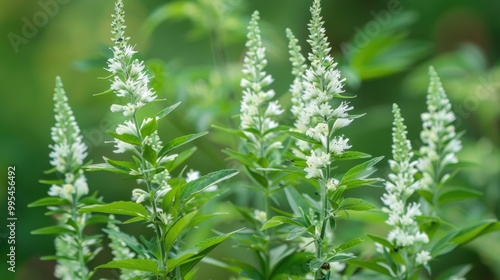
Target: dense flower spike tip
column 406, row 234
column 258, row 111
column 298, row 69
column 321, row 83
column 68, row 150
column 440, row 141
column 129, row 78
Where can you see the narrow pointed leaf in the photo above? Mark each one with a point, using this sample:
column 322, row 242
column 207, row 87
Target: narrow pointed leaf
column 303, row 137
column 175, row 231
column 167, row 111
column 149, row 154
column 125, row 137
column 148, row 128
column 457, row 193
column 53, row 230
column 279, row 220
column 118, row 207
column 355, row 204
column 179, row 142
column 48, row 201
column 204, row 182
column 133, row 264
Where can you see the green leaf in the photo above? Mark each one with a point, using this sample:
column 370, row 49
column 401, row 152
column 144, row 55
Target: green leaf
column 118, row 207
column 183, row 257
column 57, row 230
column 278, row 128
column 340, row 257
column 303, row 137
column 204, row 248
column 134, row 220
column 133, row 264
column 381, row 240
column 350, row 155
column 48, row 201
column 349, row 244
column 443, row 245
column 361, row 170
column 457, row 193
column 335, row 197
column 97, row 219
column 296, row 200
column 51, row 182
column 125, row 137
column 53, row 258
column 279, row 220
column 149, row 154
column 371, row 265
column 293, row 264
column 180, row 159
column 468, row 234
column 167, row 111
column 236, row 132
column 175, row 230
column 425, row 194
column 123, row 165
column 355, row 204
column 149, row 127
column 245, row 159
column 105, row 167
column 298, row 231
column 356, row 183
column 261, row 180
column 315, row 264
column 179, row 141
column 204, row 182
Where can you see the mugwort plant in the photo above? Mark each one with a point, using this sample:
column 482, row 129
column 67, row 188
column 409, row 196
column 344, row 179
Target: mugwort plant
column 301, row 177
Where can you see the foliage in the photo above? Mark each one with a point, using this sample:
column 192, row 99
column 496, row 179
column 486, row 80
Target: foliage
column 306, row 186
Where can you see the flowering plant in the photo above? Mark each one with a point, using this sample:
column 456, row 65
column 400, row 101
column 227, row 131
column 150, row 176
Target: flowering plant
column 302, row 178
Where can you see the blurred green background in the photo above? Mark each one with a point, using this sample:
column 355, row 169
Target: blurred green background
column 195, row 49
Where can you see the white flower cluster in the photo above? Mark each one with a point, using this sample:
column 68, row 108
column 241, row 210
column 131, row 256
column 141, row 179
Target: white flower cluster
column 121, row 250
column 72, row 187
column 400, row 186
column 257, row 110
column 68, row 151
column 66, row 268
column 129, row 79
column 440, row 141
column 298, row 69
column 321, row 83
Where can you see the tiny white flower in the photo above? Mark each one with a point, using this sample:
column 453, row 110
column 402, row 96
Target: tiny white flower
column 192, row 175
column 139, row 195
column 340, row 123
column 332, row 184
column 260, row 215
column 423, row 257
column 339, row 144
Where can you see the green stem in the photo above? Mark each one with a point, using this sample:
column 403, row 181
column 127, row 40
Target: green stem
column 79, row 239
column 148, row 178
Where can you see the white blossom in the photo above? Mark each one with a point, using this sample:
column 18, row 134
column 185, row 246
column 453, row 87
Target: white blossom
column 440, row 141
column 423, row 257
column 405, row 233
column 129, row 79
column 68, row 151
column 139, row 195
column 258, row 112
